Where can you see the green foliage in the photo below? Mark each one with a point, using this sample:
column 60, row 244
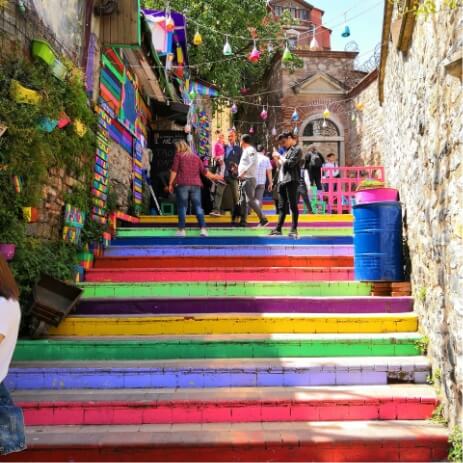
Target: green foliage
column 422, row 344
column 234, row 18
column 456, row 445
column 421, row 295
column 438, row 415
column 435, row 377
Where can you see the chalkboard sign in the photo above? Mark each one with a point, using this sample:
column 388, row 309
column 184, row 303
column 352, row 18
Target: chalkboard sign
column 164, row 150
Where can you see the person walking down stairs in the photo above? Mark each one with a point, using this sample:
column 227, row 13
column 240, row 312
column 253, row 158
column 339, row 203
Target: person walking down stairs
column 288, row 183
column 247, row 172
column 185, row 176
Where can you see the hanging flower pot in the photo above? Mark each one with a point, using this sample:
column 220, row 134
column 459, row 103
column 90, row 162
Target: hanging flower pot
column 24, row 95
column 7, row 250
column 43, row 51
column 59, row 70
column 63, row 121
column 47, row 125
column 80, row 128
column 30, row 214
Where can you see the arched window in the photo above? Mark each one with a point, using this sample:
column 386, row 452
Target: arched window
column 321, row 128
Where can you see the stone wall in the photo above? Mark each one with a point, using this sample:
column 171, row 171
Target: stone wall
column 418, row 135
column 120, row 175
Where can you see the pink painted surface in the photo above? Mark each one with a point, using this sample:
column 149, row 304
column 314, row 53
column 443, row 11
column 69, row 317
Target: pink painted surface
column 220, row 274
column 340, row 192
column 376, row 195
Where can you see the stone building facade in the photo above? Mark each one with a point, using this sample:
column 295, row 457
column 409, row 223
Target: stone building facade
column 413, row 125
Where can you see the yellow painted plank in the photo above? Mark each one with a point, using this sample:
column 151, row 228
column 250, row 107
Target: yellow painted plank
column 251, row 219
column 236, row 324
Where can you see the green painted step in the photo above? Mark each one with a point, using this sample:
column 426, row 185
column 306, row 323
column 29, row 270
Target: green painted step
column 225, row 289
column 226, row 232
column 207, row 347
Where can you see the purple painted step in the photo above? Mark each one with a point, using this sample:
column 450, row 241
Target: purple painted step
column 219, row 251
column 247, row 305
column 219, row 373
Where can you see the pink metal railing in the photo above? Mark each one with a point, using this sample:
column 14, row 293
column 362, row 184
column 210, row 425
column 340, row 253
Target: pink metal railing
column 339, row 193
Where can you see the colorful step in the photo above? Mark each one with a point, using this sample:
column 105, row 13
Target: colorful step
column 236, row 241
column 227, row 232
column 237, row 405
column 218, row 373
column 220, row 274
column 152, row 325
column 346, row 441
column 244, row 250
column 215, row 346
column 273, row 218
column 349, row 305
column 225, row 262
column 225, row 289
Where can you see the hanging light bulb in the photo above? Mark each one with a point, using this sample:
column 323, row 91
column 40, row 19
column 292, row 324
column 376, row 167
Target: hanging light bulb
column 197, row 39
column 254, row 56
column 274, row 131
column 325, row 124
column 287, row 55
column 314, row 45
column 270, row 47
column 346, row 31
column 326, row 113
column 227, row 49
column 295, row 116
column 234, row 109
column 251, row 130
column 264, row 114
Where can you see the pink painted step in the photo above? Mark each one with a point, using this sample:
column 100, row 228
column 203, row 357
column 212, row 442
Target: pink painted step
column 142, row 275
column 237, row 405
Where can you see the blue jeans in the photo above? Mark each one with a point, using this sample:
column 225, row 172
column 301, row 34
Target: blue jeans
column 184, row 193
column 12, row 438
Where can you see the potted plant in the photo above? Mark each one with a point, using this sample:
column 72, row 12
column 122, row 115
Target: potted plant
column 373, row 191
column 43, row 50
column 8, row 238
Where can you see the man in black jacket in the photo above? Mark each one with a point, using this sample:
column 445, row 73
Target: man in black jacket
column 288, row 182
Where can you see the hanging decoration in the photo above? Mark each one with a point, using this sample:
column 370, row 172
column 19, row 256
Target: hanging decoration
column 264, row 114
column 187, row 128
column 79, row 128
column 314, row 45
column 254, row 56
column 295, row 116
column 244, row 91
column 325, row 124
column 274, row 131
column 287, row 55
column 204, row 135
column 227, row 49
column 296, row 130
column 270, row 47
column 359, row 106
column 192, row 95
column 251, row 130
column 197, row 39
column 352, row 118
column 234, row 109
column 170, row 23
column 346, row 31
column 326, row 113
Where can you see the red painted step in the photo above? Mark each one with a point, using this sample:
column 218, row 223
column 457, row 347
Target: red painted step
column 224, row 262
column 220, row 274
column 398, row 402
column 366, row 441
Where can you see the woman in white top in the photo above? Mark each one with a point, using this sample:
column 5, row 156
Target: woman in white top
column 12, row 437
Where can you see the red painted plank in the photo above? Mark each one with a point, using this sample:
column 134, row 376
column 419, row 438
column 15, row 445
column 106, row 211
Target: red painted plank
column 224, row 262
column 152, row 412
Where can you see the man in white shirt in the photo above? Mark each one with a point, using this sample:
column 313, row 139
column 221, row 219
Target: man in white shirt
column 247, row 171
column 264, row 173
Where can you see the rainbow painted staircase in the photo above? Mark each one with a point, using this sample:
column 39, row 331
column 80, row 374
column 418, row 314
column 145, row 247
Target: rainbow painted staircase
column 236, row 347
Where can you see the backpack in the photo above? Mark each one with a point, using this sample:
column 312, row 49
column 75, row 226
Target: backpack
column 315, row 160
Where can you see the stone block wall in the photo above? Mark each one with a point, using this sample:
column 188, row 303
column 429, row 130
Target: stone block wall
column 417, row 135
column 120, row 175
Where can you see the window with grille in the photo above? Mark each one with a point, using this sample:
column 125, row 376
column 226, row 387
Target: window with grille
column 316, row 129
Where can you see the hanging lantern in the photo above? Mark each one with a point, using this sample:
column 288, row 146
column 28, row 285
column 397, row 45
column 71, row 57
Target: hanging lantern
column 234, row 109
column 270, row 47
column 326, row 113
column 254, row 56
column 251, row 130
column 296, row 130
column 295, row 116
column 187, row 128
column 325, row 124
column 244, row 91
column 197, row 39
column 359, row 106
column 189, row 138
column 264, row 114
column 314, row 45
column 170, row 23
column 287, row 55
column 346, row 32
column 352, row 118
column 227, row 49
column 274, row 131
column 192, row 95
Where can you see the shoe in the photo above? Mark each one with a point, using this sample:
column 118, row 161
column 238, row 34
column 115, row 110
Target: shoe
column 275, row 233
column 180, row 233
column 203, row 232
column 264, row 223
column 243, row 224
column 215, row 214
column 292, row 234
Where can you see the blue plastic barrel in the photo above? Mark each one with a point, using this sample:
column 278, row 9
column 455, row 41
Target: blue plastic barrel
column 378, row 244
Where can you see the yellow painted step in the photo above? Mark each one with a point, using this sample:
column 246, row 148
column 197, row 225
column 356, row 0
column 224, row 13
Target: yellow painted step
column 235, row 324
column 310, row 218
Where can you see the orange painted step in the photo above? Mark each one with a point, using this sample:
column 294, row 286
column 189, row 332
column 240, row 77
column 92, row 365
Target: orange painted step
column 226, row 262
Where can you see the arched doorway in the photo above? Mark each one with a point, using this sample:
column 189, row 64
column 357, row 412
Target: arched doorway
column 326, row 134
